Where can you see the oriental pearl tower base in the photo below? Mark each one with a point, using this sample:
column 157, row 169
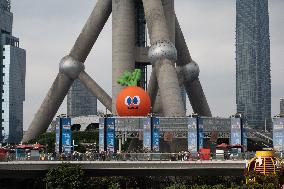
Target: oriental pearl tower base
column 168, row 54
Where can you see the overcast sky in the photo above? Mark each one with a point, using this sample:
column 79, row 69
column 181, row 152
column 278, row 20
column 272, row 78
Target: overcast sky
column 48, row 28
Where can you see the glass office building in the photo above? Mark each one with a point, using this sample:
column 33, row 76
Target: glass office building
column 80, row 101
column 13, row 71
column 282, row 106
column 253, row 81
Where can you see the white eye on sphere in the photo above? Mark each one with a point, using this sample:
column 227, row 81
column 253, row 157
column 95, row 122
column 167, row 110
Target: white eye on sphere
column 136, row 100
column 128, row 100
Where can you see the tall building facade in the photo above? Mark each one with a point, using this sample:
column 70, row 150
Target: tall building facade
column 80, row 101
column 253, row 81
column 282, row 106
column 13, row 71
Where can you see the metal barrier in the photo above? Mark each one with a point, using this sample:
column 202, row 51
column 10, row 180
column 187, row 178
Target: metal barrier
column 140, row 157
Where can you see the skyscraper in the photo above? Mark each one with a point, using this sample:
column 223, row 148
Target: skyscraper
column 80, row 101
column 13, row 71
column 253, row 82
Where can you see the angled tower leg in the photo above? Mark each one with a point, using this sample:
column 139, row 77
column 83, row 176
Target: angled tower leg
column 123, row 43
column 70, row 68
column 169, row 12
column 162, row 54
column 152, row 89
column 97, row 91
column 188, row 71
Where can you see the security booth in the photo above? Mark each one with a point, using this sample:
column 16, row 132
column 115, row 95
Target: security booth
column 63, row 143
column 32, row 152
column 20, row 152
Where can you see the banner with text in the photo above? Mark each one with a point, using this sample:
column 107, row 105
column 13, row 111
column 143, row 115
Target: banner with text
column 147, row 134
column 101, row 134
column 200, row 130
column 110, row 135
column 192, row 134
column 236, row 132
column 156, row 134
column 278, row 134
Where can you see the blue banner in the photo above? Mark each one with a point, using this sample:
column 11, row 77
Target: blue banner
column 278, row 134
column 200, row 133
column 110, row 134
column 156, row 134
column 244, row 140
column 236, row 131
column 192, row 134
column 101, row 134
column 66, row 135
column 147, row 134
column 57, row 136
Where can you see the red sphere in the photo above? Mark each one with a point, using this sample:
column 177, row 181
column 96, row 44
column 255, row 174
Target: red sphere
column 133, row 101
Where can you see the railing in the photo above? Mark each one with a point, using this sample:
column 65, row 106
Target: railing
column 136, row 157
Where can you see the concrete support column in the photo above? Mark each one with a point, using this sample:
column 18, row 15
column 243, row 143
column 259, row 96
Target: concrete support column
column 169, row 12
column 123, row 43
column 189, row 76
column 97, row 91
column 91, row 30
column 164, row 64
column 70, row 68
column 152, row 89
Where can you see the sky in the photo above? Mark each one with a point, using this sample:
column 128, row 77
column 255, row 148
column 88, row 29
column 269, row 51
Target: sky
column 48, row 30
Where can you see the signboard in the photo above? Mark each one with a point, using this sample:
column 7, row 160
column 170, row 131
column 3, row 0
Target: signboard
column 200, row 130
column 57, row 137
column 245, row 139
column 278, row 134
column 147, row 134
column 156, row 134
column 216, row 124
column 236, row 131
column 101, row 135
column 110, row 135
column 192, row 134
column 214, row 136
column 66, row 135
column 168, row 136
column 63, row 137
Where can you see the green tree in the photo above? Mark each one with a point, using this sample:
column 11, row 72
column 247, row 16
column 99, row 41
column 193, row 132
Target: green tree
column 47, row 139
column 65, row 176
column 269, row 181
